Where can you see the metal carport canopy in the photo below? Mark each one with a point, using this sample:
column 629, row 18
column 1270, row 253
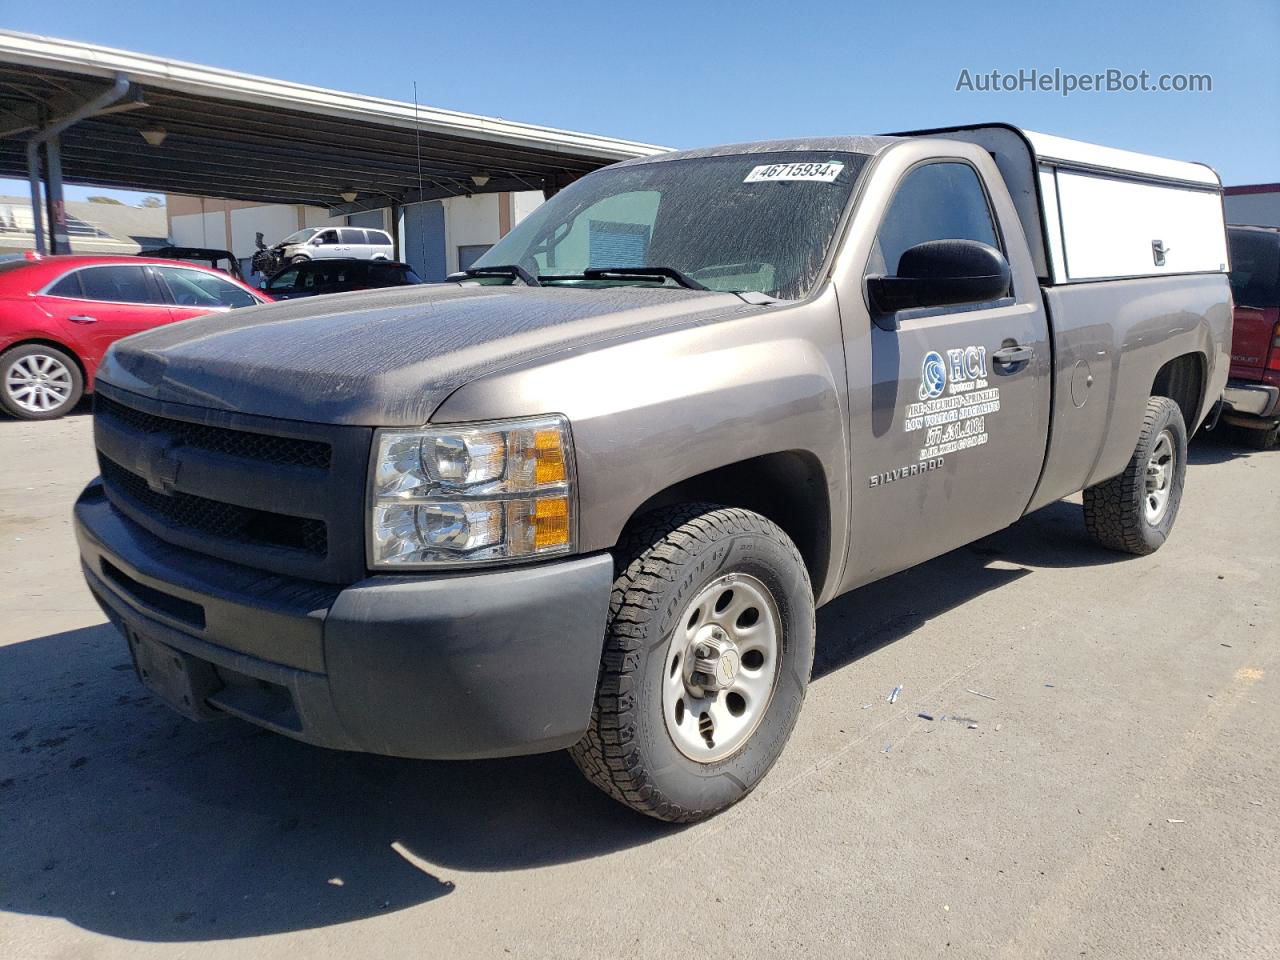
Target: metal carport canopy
column 243, row 137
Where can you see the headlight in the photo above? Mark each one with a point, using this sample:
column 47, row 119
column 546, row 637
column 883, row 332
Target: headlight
column 471, row 493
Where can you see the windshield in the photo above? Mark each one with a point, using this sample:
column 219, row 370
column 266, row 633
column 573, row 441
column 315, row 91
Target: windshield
column 748, row 222
column 302, row 236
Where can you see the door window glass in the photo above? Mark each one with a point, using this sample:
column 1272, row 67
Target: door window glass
column 327, row 237
column 282, row 281
column 117, row 284
column 323, row 275
column 191, row 288
column 68, row 286
column 351, row 236
column 939, row 201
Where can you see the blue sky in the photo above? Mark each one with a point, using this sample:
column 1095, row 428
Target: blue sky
column 691, row 73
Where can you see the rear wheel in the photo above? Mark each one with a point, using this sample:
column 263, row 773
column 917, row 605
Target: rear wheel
column 705, row 665
column 39, row 382
column 1135, row 511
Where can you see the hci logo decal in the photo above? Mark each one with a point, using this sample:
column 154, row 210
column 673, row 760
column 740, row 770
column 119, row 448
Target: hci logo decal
column 933, row 376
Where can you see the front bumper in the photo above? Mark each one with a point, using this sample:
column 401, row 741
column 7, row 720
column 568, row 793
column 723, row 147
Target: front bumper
column 463, row 665
column 1250, row 401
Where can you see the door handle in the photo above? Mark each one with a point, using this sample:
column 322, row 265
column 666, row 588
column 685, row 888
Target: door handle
column 1010, row 356
column 83, row 318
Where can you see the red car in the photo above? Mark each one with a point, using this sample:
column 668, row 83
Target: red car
column 58, row 316
column 1252, row 397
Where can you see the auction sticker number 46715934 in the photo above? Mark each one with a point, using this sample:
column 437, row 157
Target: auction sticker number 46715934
column 822, row 172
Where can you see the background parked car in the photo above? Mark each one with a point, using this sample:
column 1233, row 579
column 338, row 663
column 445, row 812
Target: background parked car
column 336, row 276
column 223, row 260
column 1252, row 396
column 58, row 316
column 329, row 243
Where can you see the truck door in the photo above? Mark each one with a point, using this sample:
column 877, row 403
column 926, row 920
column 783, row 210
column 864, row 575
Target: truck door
column 949, row 411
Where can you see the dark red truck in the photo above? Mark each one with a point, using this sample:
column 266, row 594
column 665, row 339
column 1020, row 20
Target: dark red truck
column 1252, row 397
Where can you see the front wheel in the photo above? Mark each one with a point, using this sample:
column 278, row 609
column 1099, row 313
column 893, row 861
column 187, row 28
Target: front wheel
column 1134, row 512
column 706, row 662
column 300, row 258
column 39, row 382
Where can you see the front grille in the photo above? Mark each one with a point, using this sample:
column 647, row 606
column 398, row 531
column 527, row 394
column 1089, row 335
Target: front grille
column 288, row 451
column 281, row 496
column 213, row 518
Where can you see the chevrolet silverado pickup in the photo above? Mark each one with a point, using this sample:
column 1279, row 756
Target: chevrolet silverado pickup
column 588, row 494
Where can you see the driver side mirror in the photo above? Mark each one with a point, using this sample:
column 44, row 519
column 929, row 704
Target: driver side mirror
column 939, row 273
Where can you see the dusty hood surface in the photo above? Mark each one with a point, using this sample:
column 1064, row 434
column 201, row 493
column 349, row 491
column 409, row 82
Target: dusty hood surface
column 387, row 357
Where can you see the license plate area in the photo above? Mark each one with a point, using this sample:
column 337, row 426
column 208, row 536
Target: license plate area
column 182, row 681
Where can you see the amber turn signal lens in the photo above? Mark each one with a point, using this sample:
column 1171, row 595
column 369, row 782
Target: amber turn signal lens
column 549, row 451
column 550, row 522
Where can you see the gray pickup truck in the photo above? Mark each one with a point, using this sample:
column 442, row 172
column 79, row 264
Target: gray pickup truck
column 589, row 494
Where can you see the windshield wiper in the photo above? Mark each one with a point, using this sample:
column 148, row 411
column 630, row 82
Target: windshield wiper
column 511, row 271
column 671, row 273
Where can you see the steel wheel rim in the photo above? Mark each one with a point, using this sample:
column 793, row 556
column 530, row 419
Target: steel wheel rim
column 708, row 725
column 38, row 383
column 1159, row 477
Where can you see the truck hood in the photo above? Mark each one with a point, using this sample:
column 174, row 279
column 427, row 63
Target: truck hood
column 386, row 357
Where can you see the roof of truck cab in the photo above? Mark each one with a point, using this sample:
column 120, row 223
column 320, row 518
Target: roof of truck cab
column 864, row 145
column 1046, row 147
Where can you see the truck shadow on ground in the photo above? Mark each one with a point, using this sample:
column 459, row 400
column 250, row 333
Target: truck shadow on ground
column 129, row 821
column 1221, row 445
column 861, row 622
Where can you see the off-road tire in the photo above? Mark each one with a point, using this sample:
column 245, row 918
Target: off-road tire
column 12, row 356
column 1114, row 511
column 663, row 561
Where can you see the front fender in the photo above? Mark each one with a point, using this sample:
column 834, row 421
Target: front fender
column 647, row 412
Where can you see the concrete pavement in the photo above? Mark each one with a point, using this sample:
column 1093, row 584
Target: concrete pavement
column 1115, row 793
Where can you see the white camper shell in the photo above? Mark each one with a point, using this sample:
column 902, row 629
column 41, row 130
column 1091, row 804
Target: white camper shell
column 1097, row 213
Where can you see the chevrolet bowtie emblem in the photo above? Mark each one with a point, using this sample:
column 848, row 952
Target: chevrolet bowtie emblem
column 161, row 466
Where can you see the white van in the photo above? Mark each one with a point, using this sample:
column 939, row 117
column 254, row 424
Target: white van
column 326, row 243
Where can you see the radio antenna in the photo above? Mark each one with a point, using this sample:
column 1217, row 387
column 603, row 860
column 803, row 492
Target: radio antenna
column 417, row 147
